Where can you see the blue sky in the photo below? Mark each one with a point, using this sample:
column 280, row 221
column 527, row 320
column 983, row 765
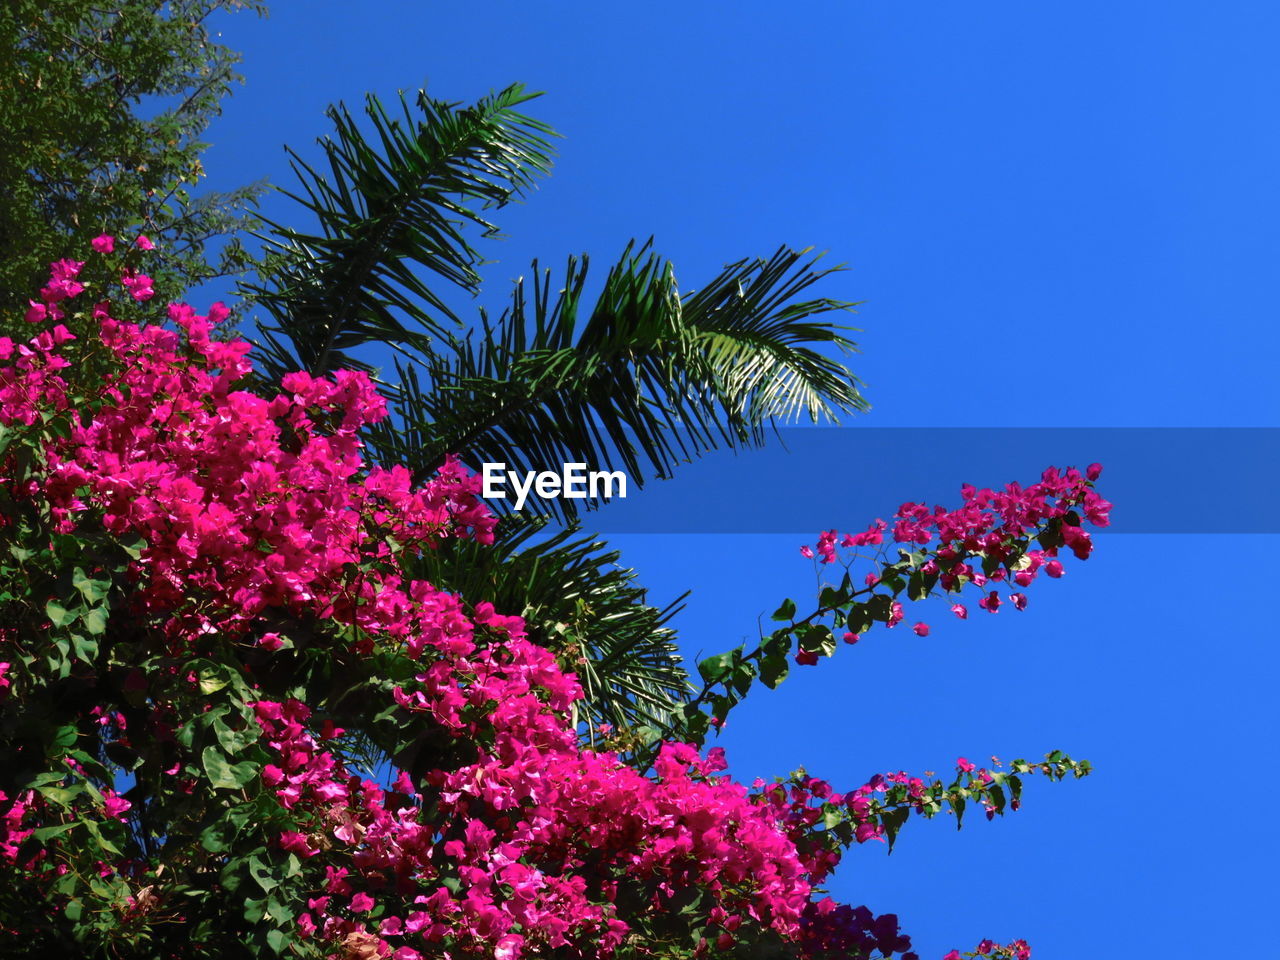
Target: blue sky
column 1054, row 217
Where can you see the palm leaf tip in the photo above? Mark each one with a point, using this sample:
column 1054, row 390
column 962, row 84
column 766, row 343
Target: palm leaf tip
column 392, row 200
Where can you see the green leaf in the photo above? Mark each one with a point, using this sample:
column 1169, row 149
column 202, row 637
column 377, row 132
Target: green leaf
column 226, row 776
column 95, row 620
column 859, row 618
column 216, row 837
column 997, row 797
column 94, row 591
column 880, row 607
column 254, row 910
column 95, row 831
column 278, row 911
column 773, row 669
column 41, row 779
column 262, row 874
column 743, row 673
column 277, row 939
column 44, row 833
column 817, row 638
column 212, row 678
column 830, row 598
column 716, row 669
column 66, row 735
column 918, row 586
column 58, row 615
column 233, row 741
column 893, row 821
column 785, row 612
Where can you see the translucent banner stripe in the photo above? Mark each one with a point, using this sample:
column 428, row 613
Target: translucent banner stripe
column 1161, row 480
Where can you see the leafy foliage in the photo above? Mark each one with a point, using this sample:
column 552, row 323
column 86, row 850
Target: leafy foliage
column 214, row 608
column 102, row 107
column 641, row 379
column 646, row 379
column 390, row 213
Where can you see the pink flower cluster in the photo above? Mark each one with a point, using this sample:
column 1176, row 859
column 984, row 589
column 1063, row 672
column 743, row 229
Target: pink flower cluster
column 519, row 842
column 1016, row 950
column 988, row 521
column 990, row 530
column 246, row 504
column 525, row 825
column 242, row 501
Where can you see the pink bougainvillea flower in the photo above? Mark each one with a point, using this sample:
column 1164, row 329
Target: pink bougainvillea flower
column 144, row 242
column 921, row 629
column 104, row 243
column 139, row 286
column 270, row 641
column 116, row 806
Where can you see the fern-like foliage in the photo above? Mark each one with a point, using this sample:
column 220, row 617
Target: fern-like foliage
column 638, row 380
column 392, row 206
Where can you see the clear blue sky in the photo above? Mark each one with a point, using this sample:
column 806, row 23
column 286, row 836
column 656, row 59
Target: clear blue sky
column 1056, row 216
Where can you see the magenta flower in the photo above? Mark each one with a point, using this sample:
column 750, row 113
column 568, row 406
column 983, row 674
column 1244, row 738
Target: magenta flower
column 138, row 285
column 921, row 629
column 104, row 244
column 144, row 242
column 115, row 806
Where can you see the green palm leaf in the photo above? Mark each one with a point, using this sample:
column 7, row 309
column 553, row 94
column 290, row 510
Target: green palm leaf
column 391, row 209
column 646, row 379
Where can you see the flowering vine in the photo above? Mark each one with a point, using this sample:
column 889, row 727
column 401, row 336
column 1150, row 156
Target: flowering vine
column 234, row 719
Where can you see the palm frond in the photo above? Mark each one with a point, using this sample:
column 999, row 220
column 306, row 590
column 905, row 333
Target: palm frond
column 649, row 378
column 392, row 207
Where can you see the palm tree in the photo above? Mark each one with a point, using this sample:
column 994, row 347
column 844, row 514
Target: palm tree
column 638, row 377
